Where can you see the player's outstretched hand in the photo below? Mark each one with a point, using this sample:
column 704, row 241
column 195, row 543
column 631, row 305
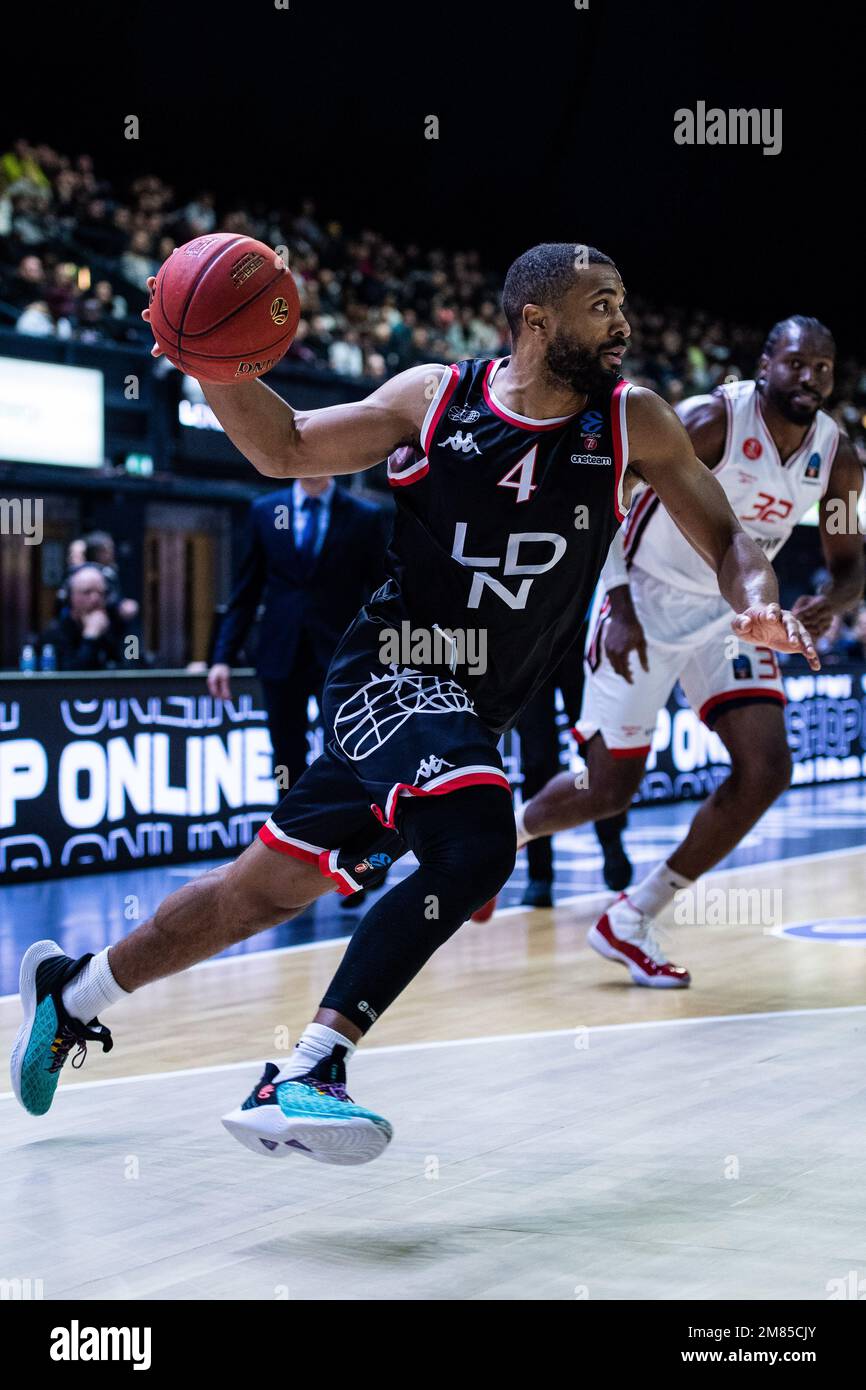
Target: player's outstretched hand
column 155, row 351
column 815, row 612
column 768, row 625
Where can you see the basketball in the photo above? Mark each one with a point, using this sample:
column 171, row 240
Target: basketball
column 224, row 308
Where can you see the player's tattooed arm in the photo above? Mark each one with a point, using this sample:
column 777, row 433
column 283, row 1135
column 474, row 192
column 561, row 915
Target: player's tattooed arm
column 285, row 443
column 661, row 452
column 841, row 542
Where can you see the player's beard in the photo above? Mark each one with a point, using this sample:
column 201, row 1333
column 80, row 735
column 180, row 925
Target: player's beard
column 569, row 363
column 797, row 414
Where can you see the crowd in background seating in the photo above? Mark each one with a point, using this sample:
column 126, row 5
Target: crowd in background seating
column 76, row 252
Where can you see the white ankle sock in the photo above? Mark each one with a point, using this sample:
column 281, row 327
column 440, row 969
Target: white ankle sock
column 316, row 1042
column 523, row 835
column 657, row 890
column 93, row 990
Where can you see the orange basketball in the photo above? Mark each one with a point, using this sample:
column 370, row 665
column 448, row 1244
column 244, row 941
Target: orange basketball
column 224, row 308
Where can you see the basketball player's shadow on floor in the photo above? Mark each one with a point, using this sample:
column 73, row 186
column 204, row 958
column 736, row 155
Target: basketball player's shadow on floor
column 363, row 1246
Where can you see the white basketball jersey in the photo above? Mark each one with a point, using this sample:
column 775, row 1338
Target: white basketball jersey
column 767, row 497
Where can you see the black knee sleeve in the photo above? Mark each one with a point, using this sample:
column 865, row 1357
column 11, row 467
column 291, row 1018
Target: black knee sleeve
column 465, row 845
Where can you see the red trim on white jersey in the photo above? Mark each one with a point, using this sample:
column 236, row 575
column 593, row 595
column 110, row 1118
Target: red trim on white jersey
column 619, row 425
column 436, row 408
column 592, row 652
column 522, row 422
column 750, row 692
column 438, row 786
column 633, row 522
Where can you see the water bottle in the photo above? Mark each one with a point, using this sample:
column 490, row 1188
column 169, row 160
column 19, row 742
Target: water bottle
column 49, row 658
column 28, row 658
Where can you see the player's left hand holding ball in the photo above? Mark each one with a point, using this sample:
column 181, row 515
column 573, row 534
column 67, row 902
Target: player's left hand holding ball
column 223, row 308
column 768, row 625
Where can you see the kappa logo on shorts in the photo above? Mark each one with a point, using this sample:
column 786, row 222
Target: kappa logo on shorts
column 381, row 707
column 430, row 767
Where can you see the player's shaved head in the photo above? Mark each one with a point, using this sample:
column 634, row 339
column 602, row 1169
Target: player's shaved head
column 543, row 275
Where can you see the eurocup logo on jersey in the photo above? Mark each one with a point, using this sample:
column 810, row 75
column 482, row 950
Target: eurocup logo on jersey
column 511, row 564
column 591, row 425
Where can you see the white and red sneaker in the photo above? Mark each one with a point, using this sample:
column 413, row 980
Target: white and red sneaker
column 625, row 934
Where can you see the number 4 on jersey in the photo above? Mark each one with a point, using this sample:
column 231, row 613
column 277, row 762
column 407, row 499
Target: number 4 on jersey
column 525, row 468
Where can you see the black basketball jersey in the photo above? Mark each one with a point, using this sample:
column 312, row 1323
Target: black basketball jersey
column 503, row 526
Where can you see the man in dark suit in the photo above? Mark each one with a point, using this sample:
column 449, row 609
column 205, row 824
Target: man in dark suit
column 315, row 552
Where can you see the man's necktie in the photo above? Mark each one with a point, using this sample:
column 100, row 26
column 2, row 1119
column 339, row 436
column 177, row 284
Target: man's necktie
column 310, row 534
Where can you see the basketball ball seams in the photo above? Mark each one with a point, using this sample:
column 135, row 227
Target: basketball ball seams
column 227, row 246
column 263, row 289
column 203, row 270
column 228, row 344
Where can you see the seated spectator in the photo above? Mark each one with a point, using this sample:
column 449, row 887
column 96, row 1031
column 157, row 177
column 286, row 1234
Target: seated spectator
column 27, row 284
column 62, row 293
column 100, row 550
column 137, row 262
column 345, row 355
column 199, row 215
column 36, row 320
column 20, row 166
column 85, row 636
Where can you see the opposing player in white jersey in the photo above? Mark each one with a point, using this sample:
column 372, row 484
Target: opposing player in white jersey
column 775, row 453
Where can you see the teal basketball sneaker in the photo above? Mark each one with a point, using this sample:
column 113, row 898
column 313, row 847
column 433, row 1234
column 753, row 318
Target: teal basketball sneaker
column 48, row 1033
column 311, row 1115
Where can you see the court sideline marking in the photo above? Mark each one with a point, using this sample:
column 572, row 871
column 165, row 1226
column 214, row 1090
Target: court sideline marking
column 480, row 1041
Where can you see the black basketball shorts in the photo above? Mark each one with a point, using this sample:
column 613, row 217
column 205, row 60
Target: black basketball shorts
column 392, row 732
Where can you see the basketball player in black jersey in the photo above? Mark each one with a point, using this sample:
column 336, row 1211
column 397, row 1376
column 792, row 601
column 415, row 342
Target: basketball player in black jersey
column 510, row 479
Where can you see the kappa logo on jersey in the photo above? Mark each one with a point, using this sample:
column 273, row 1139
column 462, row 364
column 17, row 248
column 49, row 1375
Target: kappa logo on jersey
column 591, row 458
column 512, row 564
column 430, row 767
column 812, row 471
column 463, row 414
column 461, row 443
column 752, row 447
